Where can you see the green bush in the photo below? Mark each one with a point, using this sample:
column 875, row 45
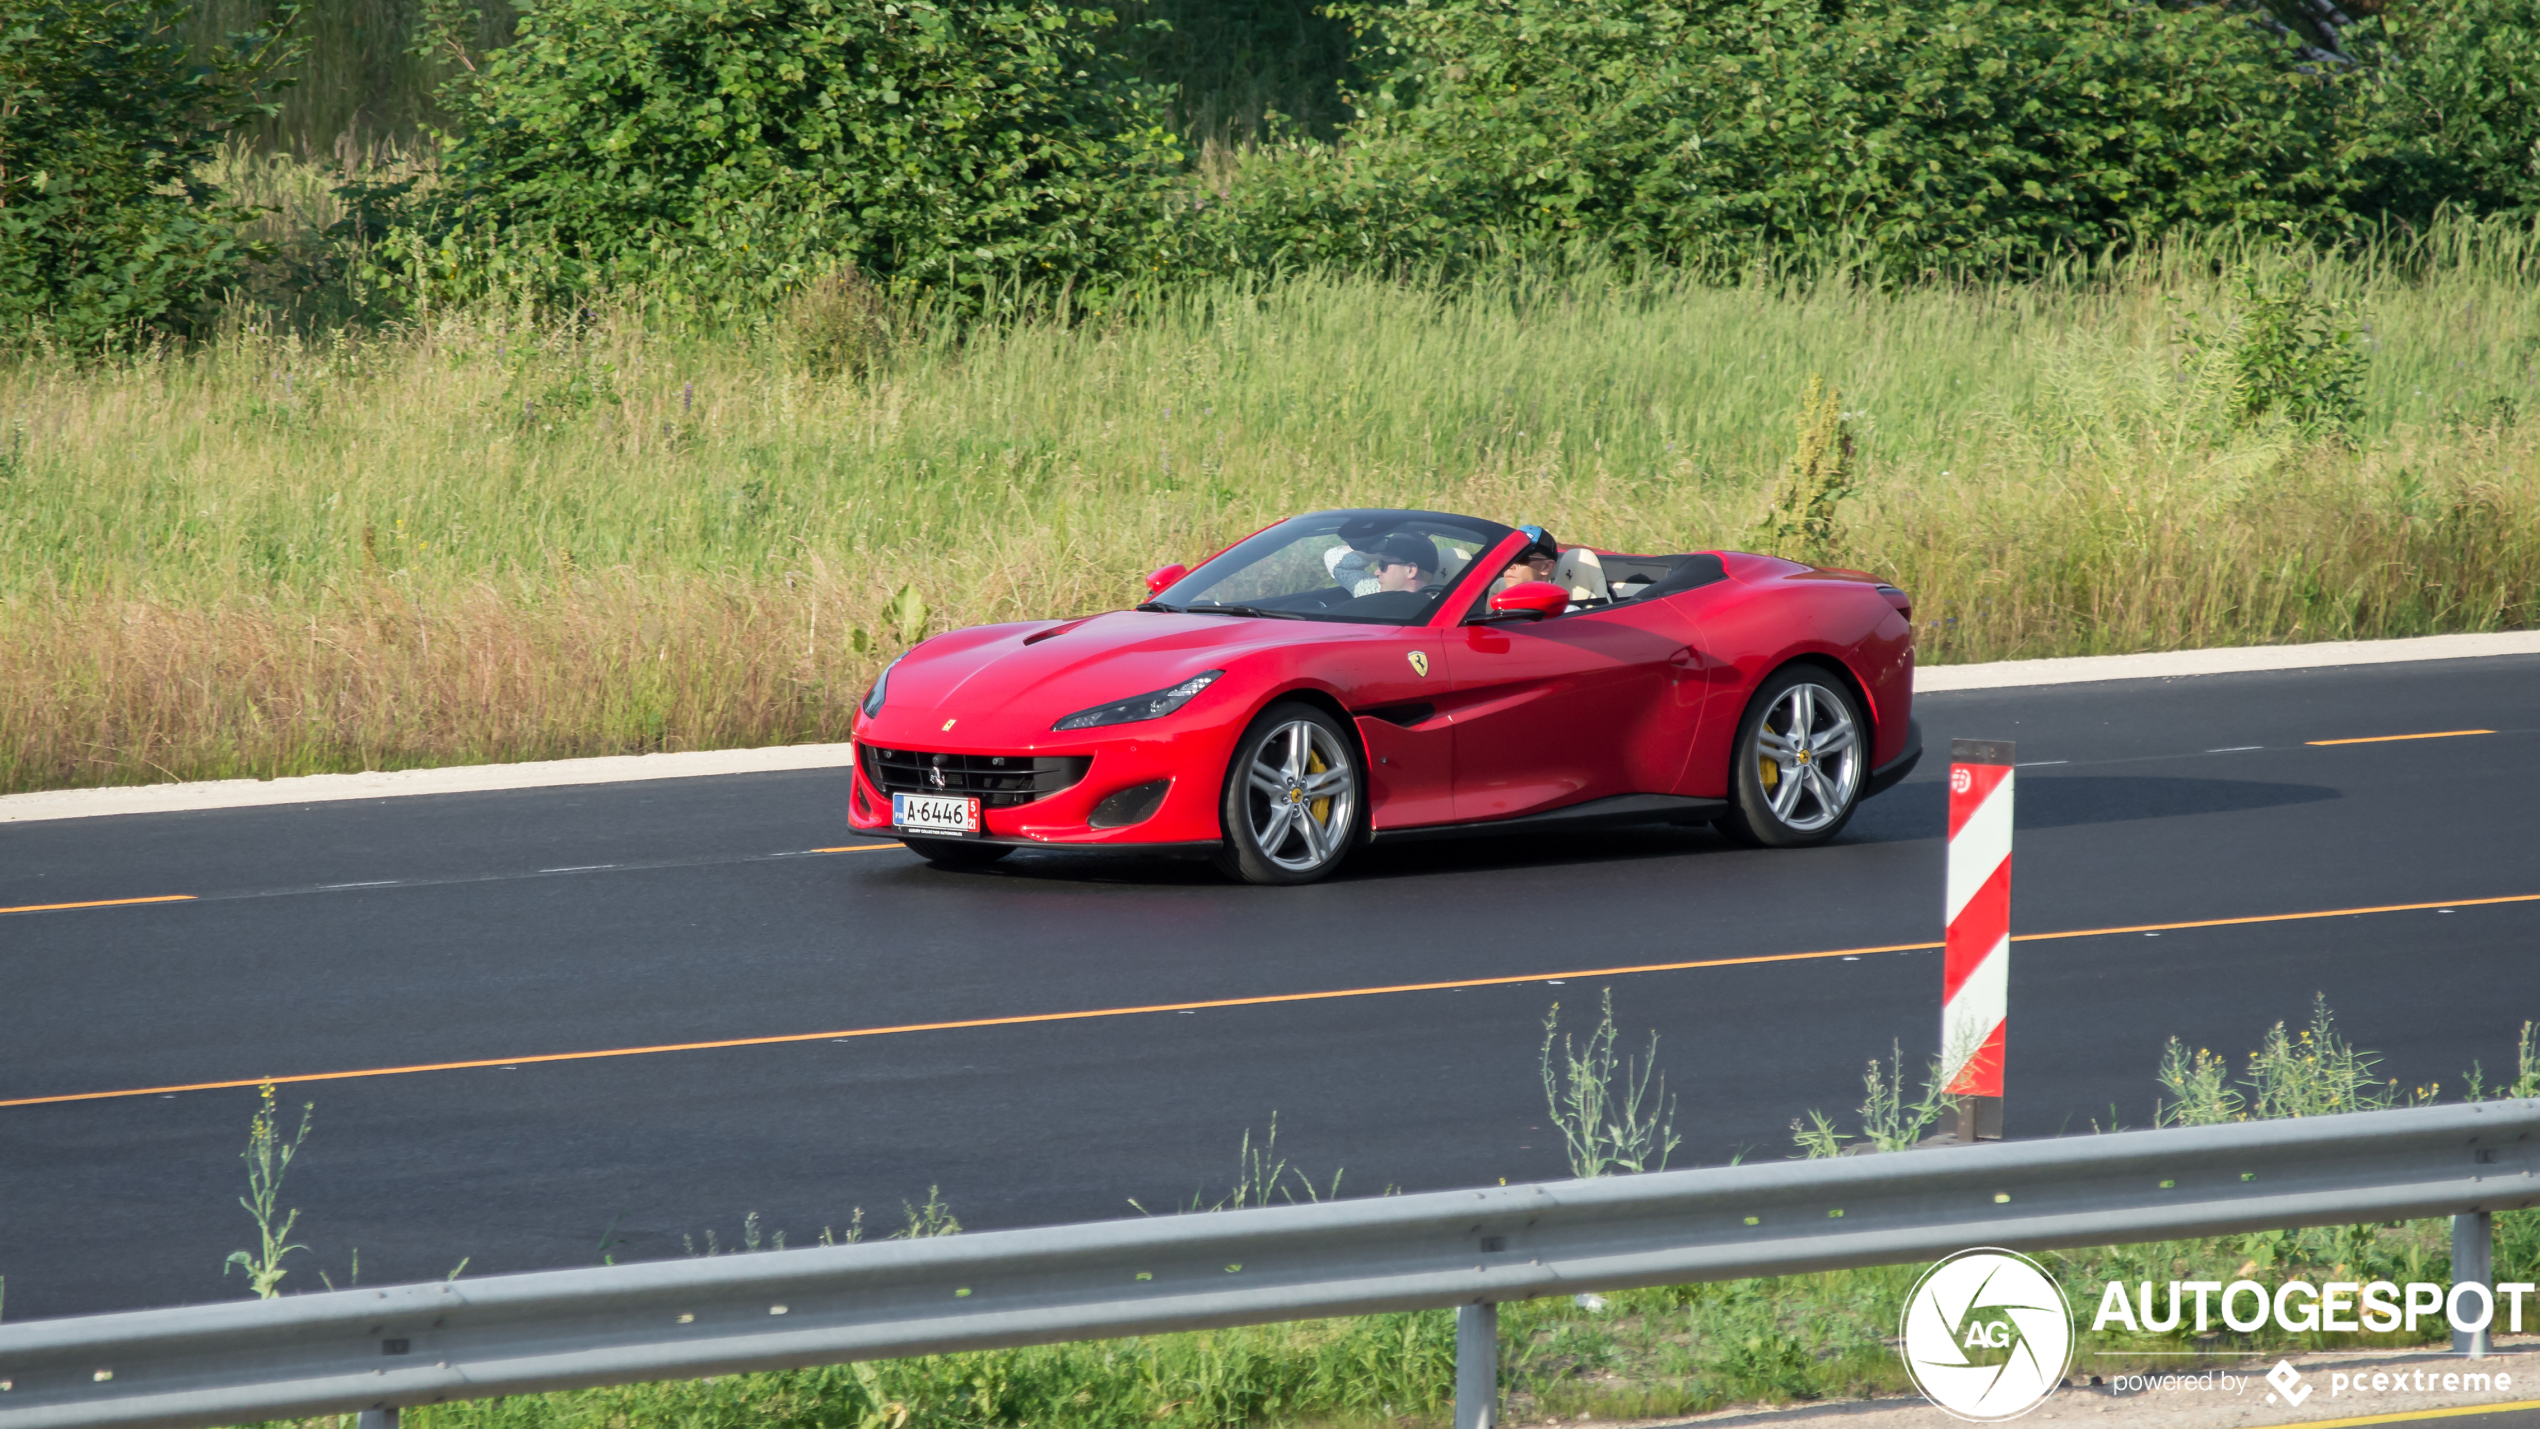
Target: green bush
column 733, row 150
column 2464, row 98
column 108, row 232
column 1958, row 136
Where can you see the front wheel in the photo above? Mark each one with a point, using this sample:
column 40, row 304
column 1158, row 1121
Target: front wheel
column 956, row 853
column 1292, row 798
column 1796, row 770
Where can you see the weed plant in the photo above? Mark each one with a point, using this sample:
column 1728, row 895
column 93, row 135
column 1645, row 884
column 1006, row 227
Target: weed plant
column 1611, row 1120
column 268, row 1157
column 1262, row 1176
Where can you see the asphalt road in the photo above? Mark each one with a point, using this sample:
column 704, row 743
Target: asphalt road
column 416, row 932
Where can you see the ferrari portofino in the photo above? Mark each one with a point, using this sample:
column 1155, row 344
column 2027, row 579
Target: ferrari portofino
column 1355, row 676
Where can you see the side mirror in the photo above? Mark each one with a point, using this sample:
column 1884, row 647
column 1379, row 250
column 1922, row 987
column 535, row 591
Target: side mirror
column 1158, row 580
column 1530, row 600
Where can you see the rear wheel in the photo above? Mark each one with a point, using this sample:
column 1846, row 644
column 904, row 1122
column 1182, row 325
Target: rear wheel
column 1292, row 799
column 956, row 853
column 1796, row 770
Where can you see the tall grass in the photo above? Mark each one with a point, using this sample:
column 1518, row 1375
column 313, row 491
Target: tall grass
column 494, row 534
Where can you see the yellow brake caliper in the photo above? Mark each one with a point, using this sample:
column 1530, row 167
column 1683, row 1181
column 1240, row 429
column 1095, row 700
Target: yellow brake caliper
column 1321, row 808
column 1766, row 769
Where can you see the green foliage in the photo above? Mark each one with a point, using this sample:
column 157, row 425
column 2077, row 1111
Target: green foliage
column 1890, row 1120
column 2285, row 350
column 732, row 151
column 2313, row 1072
column 268, row 1157
column 1609, row 1118
column 1803, row 523
column 2200, row 1089
column 1262, row 1176
column 2464, row 104
column 1231, row 65
column 109, row 235
column 1918, row 137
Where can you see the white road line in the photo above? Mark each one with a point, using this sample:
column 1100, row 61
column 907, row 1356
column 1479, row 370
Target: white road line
column 2174, row 664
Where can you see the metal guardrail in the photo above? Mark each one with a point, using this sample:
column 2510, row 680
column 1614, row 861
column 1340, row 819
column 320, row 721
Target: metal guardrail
column 377, row 1349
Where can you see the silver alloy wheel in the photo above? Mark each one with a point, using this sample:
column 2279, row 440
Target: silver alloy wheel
column 1808, row 757
column 1302, row 796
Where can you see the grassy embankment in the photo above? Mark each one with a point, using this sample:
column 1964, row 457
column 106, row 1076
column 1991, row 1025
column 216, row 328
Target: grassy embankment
column 492, row 538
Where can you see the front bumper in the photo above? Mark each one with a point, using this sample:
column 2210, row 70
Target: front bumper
column 1193, row 760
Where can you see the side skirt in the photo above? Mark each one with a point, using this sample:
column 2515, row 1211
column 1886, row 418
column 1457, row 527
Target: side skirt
column 1619, row 811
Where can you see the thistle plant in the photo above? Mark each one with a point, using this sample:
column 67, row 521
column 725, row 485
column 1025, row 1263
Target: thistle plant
column 1609, row 1119
column 268, row 1158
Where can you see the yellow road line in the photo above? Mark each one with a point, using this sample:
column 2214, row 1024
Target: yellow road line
column 2410, row 1416
column 100, row 903
column 2394, row 738
column 2278, row 917
column 1264, row 1000
column 855, row 848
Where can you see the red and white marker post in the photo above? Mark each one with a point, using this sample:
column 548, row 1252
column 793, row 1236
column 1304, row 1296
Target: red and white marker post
column 1976, row 970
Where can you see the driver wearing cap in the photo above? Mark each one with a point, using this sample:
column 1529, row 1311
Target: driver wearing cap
column 1402, row 562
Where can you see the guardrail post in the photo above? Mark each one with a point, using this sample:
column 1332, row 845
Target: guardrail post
column 2474, row 1258
column 1476, row 1367
column 384, row 1417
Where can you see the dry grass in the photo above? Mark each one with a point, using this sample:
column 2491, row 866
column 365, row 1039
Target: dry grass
column 490, row 537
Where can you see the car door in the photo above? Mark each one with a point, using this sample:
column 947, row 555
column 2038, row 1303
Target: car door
column 1574, row 708
column 1393, row 681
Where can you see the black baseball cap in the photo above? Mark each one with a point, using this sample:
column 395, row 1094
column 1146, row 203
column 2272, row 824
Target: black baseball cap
column 1405, row 548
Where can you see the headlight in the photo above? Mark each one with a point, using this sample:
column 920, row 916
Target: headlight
column 881, row 683
column 1148, row 706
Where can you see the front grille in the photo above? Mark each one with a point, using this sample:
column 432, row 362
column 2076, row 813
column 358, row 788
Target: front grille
column 1001, row 781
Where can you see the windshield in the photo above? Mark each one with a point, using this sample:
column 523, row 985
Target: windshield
column 1366, row 567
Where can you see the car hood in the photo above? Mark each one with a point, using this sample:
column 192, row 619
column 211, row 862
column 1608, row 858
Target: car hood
column 1007, row 684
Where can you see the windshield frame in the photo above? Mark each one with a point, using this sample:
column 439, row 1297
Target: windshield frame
column 1455, row 592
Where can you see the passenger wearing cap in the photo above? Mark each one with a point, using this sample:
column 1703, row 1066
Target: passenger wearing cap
column 1535, row 562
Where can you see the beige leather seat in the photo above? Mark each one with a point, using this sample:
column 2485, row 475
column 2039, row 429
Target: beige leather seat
column 1579, row 572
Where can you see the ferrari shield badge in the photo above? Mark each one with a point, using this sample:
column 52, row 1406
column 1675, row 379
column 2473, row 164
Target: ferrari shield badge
column 948, row 724
column 1420, row 663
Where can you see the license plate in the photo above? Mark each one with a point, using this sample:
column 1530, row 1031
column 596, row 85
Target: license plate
column 935, row 813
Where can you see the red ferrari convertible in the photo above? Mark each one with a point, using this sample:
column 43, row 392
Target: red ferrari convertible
column 1369, row 676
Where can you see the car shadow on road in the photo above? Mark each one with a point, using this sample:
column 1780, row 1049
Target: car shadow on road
column 1920, row 809
column 1908, row 813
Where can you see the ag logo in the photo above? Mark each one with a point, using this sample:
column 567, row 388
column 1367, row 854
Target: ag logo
column 1420, row 663
column 1987, row 1336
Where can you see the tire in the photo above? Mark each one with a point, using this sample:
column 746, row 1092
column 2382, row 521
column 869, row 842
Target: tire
column 1786, row 793
column 1294, row 799
column 957, row 853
